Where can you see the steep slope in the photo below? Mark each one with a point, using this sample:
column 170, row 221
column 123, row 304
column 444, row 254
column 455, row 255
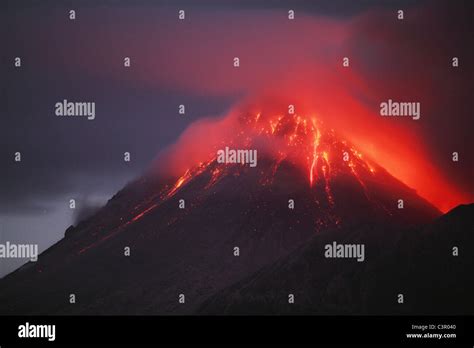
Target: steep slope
column 416, row 262
column 190, row 251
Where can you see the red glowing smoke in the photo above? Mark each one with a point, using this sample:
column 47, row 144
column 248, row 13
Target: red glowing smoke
column 304, row 68
column 300, row 62
column 265, row 124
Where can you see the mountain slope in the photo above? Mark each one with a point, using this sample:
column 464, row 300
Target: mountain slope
column 190, row 251
column 416, row 262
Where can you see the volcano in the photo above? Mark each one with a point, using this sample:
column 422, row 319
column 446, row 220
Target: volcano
column 173, row 244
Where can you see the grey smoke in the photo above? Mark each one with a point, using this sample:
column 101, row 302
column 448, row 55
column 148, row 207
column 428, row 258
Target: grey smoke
column 85, row 209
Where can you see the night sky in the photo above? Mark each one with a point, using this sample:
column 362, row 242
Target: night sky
column 190, row 62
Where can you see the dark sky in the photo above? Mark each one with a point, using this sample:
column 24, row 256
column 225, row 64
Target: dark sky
column 186, row 63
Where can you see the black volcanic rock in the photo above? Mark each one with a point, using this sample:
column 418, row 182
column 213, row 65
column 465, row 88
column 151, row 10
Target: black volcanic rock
column 416, row 262
column 190, row 251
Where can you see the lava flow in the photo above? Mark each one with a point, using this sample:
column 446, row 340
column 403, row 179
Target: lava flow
column 333, row 168
column 302, row 141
